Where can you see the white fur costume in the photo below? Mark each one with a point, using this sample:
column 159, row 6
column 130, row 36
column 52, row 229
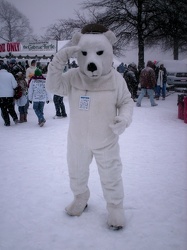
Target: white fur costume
column 100, row 109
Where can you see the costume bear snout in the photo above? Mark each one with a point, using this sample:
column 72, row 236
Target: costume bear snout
column 92, row 67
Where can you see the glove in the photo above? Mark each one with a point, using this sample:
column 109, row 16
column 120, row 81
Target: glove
column 47, row 102
column 62, row 56
column 30, row 101
column 119, row 125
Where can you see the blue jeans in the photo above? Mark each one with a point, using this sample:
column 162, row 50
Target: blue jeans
column 150, row 93
column 159, row 89
column 23, row 109
column 38, row 108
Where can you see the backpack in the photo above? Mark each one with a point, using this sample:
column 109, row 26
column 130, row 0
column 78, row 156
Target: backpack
column 18, row 92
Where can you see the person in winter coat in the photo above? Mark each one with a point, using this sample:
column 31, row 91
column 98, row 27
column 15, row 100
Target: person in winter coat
column 131, row 80
column 22, row 102
column 121, row 68
column 38, row 95
column 15, row 67
column 7, row 86
column 147, row 82
column 161, row 80
column 30, row 71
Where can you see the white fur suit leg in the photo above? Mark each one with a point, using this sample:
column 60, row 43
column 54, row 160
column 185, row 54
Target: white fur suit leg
column 79, row 158
column 110, row 169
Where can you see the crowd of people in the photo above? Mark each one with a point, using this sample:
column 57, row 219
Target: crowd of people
column 31, row 78
column 151, row 80
column 31, row 81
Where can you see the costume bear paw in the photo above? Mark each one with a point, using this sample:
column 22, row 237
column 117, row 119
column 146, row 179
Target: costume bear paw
column 116, row 217
column 79, row 204
column 119, row 125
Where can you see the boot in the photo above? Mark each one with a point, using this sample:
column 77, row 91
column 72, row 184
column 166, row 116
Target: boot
column 78, row 205
column 116, row 217
column 25, row 117
column 21, row 119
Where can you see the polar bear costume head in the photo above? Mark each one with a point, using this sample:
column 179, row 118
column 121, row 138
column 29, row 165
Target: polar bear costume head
column 95, row 57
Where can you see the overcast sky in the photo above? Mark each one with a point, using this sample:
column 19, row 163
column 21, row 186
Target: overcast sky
column 42, row 13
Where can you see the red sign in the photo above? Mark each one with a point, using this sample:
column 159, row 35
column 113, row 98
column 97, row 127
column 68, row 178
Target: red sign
column 2, row 47
column 10, row 47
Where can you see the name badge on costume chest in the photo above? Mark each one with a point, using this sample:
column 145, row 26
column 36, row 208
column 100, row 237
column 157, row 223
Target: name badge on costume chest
column 84, row 103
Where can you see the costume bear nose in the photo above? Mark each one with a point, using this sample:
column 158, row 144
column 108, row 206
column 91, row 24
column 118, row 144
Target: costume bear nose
column 92, row 67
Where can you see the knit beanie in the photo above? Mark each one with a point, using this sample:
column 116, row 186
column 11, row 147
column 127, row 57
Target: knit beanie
column 93, row 28
column 37, row 72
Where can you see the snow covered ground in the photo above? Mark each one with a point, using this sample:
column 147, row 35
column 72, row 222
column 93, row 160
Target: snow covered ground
column 34, row 185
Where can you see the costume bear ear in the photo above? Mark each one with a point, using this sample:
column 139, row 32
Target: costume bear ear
column 110, row 36
column 76, row 38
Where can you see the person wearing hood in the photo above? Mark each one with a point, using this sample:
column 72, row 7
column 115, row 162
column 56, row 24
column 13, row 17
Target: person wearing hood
column 22, row 102
column 147, row 82
column 131, row 80
column 30, row 71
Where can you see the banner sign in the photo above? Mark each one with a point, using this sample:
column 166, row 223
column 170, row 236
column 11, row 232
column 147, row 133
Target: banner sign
column 10, row 47
column 25, row 47
column 40, row 46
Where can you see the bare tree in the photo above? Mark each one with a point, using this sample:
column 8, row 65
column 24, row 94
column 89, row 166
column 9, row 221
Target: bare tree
column 130, row 20
column 144, row 23
column 64, row 28
column 59, row 31
column 172, row 25
column 14, row 26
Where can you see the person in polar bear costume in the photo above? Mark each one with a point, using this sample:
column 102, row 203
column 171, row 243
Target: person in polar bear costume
column 101, row 109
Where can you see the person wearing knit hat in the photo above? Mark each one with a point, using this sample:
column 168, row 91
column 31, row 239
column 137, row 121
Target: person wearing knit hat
column 37, row 72
column 38, row 95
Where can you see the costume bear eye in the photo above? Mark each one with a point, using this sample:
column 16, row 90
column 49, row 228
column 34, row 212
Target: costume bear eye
column 84, row 53
column 99, row 53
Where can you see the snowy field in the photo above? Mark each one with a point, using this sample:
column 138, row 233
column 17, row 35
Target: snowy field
column 34, row 185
